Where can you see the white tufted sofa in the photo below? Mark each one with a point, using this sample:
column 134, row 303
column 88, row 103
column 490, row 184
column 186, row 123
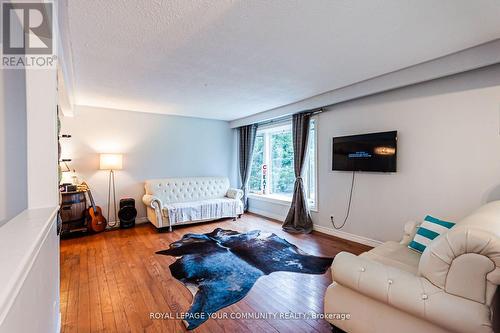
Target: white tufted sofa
column 190, row 192
column 449, row 288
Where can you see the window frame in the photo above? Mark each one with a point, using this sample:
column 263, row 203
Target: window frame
column 314, row 206
column 267, row 131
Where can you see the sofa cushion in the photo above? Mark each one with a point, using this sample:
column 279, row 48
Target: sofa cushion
column 234, row 193
column 396, row 255
column 202, row 210
column 428, row 230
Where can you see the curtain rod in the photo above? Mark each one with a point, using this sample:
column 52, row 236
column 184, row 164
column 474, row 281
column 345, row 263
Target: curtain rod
column 288, row 116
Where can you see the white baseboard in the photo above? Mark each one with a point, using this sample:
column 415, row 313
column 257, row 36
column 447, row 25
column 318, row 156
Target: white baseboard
column 267, row 214
column 348, row 236
column 139, row 220
column 324, row 230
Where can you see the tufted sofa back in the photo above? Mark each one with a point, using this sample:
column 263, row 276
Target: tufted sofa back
column 173, row 190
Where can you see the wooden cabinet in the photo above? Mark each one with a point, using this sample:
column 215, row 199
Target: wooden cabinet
column 73, row 212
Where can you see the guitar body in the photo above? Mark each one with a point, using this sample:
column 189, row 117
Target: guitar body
column 97, row 221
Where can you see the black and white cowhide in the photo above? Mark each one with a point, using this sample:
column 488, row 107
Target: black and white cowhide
column 223, row 265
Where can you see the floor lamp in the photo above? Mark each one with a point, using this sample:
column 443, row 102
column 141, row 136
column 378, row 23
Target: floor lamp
column 111, row 162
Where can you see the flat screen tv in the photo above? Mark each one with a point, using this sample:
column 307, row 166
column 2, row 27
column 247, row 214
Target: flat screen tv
column 375, row 152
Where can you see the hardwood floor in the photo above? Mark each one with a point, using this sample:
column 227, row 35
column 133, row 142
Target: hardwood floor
column 113, row 281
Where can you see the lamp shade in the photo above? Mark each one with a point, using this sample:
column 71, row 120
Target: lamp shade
column 111, row 162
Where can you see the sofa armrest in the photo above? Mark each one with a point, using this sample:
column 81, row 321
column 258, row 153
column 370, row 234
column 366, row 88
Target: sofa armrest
column 410, row 293
column 234, row 193
column 152, row 201
column 465, row 262
column 410, row 229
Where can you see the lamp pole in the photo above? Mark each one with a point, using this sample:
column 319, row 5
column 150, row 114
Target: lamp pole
column 111, row 183
column 111, row 162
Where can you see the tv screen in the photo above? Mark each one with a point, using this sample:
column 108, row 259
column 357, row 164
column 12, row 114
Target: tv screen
column 366, row 152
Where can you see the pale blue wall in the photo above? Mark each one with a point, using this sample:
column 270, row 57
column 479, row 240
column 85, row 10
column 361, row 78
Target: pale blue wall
column 154, row 146
column 448, row 156
column 13, row 149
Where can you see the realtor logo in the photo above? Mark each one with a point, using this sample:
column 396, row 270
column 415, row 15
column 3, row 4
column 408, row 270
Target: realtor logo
column 27, row 32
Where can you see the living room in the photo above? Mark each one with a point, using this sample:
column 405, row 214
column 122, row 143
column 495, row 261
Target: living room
column 279, row 166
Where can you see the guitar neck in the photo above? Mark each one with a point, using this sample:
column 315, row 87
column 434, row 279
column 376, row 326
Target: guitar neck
column 92, row 203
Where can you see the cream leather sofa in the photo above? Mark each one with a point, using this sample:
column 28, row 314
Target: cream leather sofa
column 449, row 288
column 190, row 199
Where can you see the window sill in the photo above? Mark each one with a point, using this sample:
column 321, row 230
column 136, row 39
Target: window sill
column 276, row 199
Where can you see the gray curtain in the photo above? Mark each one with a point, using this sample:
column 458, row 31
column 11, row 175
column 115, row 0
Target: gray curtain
column 299, row 218
column 247, row 136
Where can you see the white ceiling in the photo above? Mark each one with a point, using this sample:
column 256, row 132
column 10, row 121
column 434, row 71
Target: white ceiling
column 226, row 59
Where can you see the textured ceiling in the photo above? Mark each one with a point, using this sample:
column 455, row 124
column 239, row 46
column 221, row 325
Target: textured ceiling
column 229, row 59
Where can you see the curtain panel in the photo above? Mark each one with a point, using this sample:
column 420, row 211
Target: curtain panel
column 299, row 217
column 247, row 136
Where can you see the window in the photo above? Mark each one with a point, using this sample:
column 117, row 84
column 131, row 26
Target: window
column 283, row 176
column 255, row 182
column 272, row 174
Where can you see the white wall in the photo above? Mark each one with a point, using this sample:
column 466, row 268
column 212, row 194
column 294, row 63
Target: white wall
column 30, row 273
column 41, row 105
column 29, row 244
column 448, row 155
column 154, row 146
column 28, row 179
column 13, row 172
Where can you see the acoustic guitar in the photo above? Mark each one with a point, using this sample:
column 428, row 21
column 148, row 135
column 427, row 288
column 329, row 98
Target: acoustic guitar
column 97, row 221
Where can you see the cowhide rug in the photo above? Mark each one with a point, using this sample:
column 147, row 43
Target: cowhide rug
column 221, row 267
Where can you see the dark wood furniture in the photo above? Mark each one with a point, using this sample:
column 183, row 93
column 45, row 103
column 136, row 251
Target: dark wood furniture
column 73, row 212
